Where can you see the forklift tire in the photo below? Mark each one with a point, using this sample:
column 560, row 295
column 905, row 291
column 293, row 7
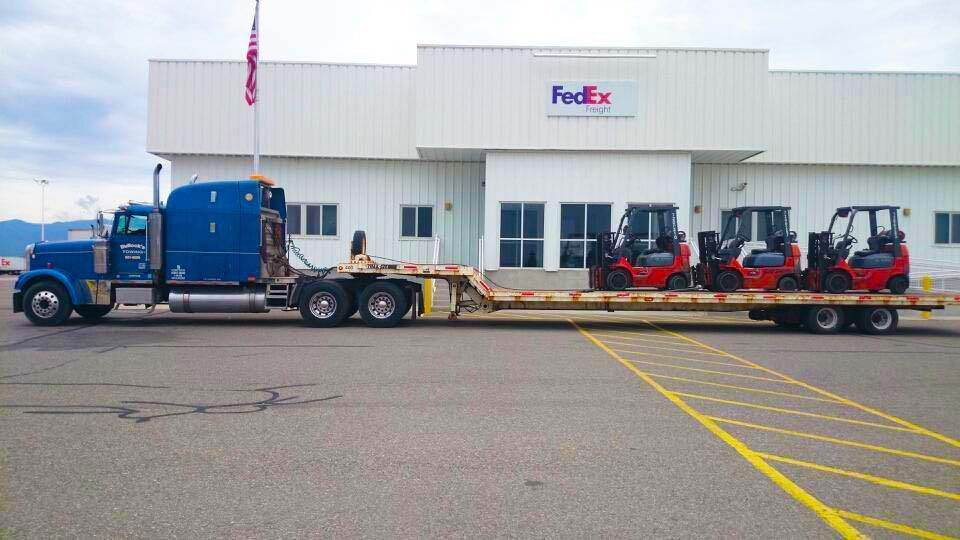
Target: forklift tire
column 359, row 243
column 677, row 282
column 877, row 321
column 92, row 313
column 383, row 304
column 619, row 280
column 836, row 283
column 728, row 281
column 47, row 304
column 324, row 304
column 788, row 283
column 823, row 319
column 898, row 284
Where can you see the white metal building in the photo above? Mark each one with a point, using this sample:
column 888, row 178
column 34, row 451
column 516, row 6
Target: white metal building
column 527, row 151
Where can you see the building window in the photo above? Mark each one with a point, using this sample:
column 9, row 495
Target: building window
column 946, row 228
column 320, row 219
column 521, row 235
column 579, row 226
column 416, row 222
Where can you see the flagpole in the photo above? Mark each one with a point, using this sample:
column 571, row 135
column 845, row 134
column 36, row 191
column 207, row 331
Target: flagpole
column 256, row 101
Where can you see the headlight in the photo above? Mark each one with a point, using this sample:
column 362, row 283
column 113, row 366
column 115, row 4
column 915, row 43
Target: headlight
column 27, row 255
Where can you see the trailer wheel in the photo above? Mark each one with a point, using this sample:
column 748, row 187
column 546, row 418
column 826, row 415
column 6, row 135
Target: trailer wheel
column 324, row 304
column 788, row 283
column 619, row 280
column 359, row 243
column 836, row 282
column 93, row 312
column 47, row 304
column 877, row 321
column 728, row 281
column 383, row 304
column 677, row 282
column 898, row 284
column 824, row 319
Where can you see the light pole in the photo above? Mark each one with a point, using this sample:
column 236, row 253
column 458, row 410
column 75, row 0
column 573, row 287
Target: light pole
column 43, row 183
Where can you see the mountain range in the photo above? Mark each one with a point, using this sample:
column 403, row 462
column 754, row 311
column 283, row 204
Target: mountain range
column 15, row 234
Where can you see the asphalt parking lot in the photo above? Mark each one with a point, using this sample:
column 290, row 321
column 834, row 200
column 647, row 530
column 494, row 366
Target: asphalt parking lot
column 507, row 425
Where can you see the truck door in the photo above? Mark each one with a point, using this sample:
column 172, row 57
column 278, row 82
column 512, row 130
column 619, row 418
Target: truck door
column 128, row 248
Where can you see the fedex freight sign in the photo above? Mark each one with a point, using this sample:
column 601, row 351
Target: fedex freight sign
column 592, row 98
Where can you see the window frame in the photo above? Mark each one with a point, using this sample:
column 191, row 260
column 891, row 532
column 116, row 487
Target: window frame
column 303, row 220
column 950, row 244
column 585, row 239
column 522, row 238
column 416, row 222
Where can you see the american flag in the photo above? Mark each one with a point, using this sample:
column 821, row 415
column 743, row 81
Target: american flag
column 252, row 50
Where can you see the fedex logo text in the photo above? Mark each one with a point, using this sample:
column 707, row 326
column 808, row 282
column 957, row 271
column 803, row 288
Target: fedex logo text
column 592, row 98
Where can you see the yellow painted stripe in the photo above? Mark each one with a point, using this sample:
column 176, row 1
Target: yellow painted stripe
column 933, row 434
column 919, row 533
column 684, row 358
column 671, row 349
column 656, row 334
column 662, row 341
column 845, row 442
column 794, row 411
column 699, row 370
column 743, row 388
column 826, row 513
column 427, row 296
column 888, row 482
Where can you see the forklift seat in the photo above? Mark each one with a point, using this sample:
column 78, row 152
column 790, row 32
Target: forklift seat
column 879, row 254
column 661, row 255
column 772, row 255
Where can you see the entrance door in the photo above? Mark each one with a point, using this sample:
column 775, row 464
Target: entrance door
column 128, row 248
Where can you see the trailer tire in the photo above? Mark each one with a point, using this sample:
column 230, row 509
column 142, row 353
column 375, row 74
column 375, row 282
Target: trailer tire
column 47, row 304
column 619, row 280
column 823, row 319
column 898, row 284
column 383, row 304
column 359, row 243
column 92, row 313
column 836, row 282
column 788, row 283
column 728, row 281
column 677, row 282
column 877, row 321
column 324, row 304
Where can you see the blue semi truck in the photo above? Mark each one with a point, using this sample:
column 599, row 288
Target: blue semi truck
column 214, row 247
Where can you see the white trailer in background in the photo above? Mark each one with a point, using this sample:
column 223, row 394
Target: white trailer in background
column 12, row 265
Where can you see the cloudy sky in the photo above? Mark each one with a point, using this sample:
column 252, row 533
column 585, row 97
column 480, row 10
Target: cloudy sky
column 73, row 74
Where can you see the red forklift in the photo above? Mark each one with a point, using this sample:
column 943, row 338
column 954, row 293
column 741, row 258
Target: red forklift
column 774, row 267
column 620, row 263
column 885, row 264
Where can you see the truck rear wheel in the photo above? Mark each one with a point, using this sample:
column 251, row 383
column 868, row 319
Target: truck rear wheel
column 324, row 304
column 93, row 312
column 47, row 304
column 877, row 321
column 383, row 304
column 824, row 319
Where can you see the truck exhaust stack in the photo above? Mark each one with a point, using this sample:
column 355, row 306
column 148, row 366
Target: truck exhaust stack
column 155, row 226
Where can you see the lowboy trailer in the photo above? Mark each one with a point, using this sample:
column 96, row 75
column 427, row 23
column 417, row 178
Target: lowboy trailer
column 818, row 313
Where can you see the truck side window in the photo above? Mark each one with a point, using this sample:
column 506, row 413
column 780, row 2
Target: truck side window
column 132, row 225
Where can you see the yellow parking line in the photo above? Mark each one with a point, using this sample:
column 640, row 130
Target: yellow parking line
column 826, row 513
column 662, row 348
column 699, row 370
column 744, row 388
column 685, row 358
column 796, row 412
column 883, row 449
column 927, row 432
column 888, row 482
column 660, row 340
column 919, row 533
column 656, row 334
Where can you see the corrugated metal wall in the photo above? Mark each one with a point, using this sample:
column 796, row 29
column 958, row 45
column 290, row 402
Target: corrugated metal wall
column 479, row 97
column 369, row 193
column 815, row 191
column 325, row 110
column 617, row 178
column 864, row 118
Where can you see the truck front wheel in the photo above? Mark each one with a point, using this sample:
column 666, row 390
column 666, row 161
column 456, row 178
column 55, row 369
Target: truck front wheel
column 92, row 312
column 324, row 304
column 47, row 304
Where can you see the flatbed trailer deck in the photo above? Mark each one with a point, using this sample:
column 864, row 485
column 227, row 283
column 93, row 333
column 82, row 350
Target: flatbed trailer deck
column 818, row 312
